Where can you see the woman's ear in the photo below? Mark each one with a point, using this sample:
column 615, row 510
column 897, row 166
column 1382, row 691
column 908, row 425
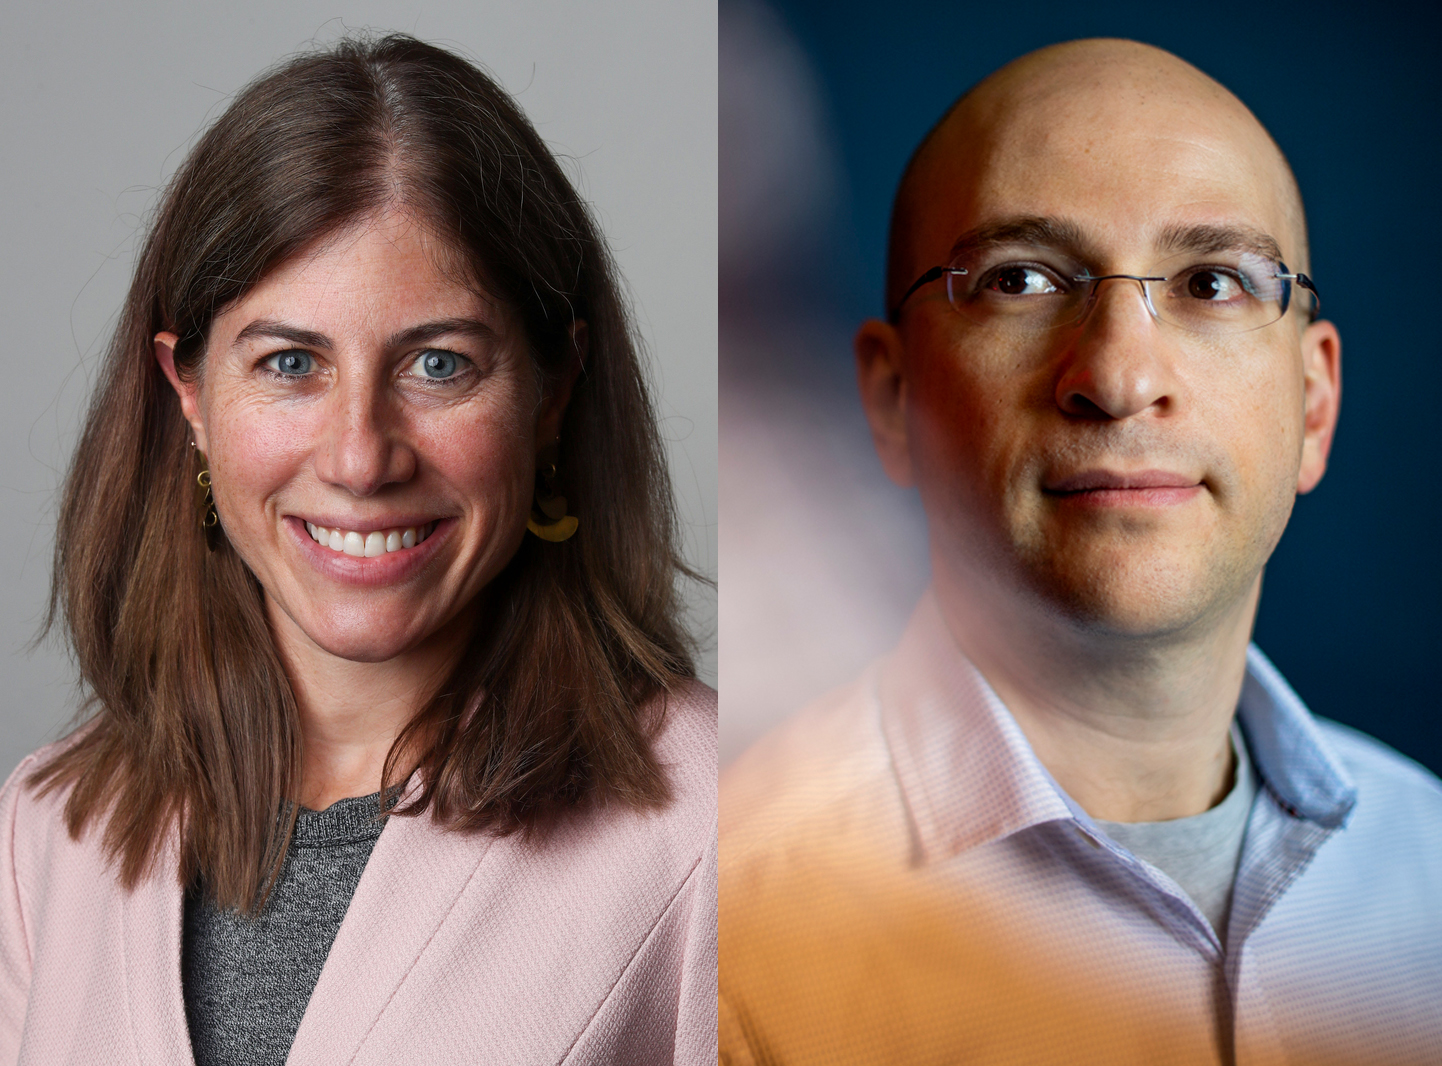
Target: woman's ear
column 165, row 355
column 558, row 391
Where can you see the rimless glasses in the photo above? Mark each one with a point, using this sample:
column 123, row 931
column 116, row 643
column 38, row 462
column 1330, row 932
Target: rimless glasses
column 1031, row 289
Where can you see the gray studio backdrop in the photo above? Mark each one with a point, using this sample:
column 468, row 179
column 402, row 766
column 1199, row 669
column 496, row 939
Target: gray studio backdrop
column 101, row 102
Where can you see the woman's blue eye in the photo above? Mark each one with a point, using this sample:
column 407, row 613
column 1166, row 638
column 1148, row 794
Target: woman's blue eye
column 436, row 363
column 293, row 363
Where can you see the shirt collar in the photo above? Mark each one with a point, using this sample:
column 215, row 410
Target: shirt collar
column 1288, row 750
column 968, row 775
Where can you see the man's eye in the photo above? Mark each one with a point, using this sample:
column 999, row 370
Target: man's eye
column 1021, row 281
column 291, row 363
column 1214, row 285
column 437, row 364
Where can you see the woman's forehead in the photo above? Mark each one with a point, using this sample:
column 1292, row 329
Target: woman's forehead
column 376, row 267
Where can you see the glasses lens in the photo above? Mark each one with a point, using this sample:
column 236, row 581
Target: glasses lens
column 1016, row 288
column 1221, row 292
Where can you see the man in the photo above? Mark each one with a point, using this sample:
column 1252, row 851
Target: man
column 1075, row 817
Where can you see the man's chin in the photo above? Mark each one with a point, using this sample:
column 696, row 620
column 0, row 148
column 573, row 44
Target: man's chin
column 1138, row 602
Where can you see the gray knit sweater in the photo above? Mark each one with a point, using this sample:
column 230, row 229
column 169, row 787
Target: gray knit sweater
column 247, row 980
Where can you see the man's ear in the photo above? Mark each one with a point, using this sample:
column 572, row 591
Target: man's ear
column 557, row 394
column 165, row 355
column 1322, row 392
column 883, row 396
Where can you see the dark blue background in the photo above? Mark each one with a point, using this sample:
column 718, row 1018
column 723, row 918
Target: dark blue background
column 1350, row 608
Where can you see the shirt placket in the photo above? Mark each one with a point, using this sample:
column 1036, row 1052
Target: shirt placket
column 1279, row 846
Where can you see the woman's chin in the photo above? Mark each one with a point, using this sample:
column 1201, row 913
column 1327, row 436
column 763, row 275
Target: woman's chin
column 368, row 629
column 361, row 651
column 360, row 647
column 362, row 639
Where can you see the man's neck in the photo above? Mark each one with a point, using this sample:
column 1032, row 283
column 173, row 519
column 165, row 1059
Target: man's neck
column 1135, row 729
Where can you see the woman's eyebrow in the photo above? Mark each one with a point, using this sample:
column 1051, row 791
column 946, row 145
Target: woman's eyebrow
column 429, row 331
column 269, row 327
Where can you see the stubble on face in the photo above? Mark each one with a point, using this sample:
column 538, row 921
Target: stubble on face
column 1124, row 141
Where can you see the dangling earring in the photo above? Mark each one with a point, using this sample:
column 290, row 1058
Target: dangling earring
column 549, row 519
column 209, row 516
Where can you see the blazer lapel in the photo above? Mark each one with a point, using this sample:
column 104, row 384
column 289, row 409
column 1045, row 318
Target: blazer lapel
column 151, row 916
column 413, row 879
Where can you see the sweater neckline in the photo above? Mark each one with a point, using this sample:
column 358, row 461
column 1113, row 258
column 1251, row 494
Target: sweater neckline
column 346, row 821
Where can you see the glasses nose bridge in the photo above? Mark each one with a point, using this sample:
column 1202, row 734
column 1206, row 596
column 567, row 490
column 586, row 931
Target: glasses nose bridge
column 1093, row 283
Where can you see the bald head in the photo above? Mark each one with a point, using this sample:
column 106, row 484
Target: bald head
column 1104, row 115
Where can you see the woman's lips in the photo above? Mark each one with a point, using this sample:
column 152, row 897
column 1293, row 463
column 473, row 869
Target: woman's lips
column 385, row 568
column 1110, row 488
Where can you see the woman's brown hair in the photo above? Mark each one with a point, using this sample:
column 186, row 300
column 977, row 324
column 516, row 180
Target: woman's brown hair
column 190, row 722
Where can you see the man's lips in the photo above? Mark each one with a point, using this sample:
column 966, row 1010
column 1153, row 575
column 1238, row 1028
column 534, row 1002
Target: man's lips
column 1135, row 488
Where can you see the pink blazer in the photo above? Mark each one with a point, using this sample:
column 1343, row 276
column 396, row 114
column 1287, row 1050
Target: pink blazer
column 597, row 947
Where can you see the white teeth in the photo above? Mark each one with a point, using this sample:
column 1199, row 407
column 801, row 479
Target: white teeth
column 369, row 545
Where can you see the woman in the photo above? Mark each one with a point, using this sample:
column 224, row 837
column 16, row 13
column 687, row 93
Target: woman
column 368, row 561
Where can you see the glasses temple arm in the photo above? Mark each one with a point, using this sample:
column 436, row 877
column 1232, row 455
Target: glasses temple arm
column 1306, row 283
column 926, row 279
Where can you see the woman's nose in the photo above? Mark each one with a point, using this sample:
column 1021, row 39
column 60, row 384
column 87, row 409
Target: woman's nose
column 1120, row 363
column 362, row 444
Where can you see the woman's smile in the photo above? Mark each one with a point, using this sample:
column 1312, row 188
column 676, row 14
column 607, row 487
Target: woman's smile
column 365, row 557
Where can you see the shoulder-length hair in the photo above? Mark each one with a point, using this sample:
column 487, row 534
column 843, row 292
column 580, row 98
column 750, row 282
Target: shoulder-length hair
column 190, row 723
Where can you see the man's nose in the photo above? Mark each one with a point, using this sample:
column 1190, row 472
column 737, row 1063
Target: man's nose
column 1119, row 364
column 362, row 446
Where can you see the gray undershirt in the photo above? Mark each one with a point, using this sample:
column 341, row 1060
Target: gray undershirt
column 1199, row 853
column 247, row 980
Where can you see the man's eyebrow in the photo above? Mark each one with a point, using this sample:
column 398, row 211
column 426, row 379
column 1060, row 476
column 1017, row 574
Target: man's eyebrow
column 1058, row 233
column 308, row 338
column 1219, row 238
column 1065, row 235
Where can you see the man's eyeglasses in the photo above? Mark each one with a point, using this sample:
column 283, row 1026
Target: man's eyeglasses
column 1230, row 291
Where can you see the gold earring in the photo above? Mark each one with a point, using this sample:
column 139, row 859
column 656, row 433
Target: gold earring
column 548, row 519
column 209, row 516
